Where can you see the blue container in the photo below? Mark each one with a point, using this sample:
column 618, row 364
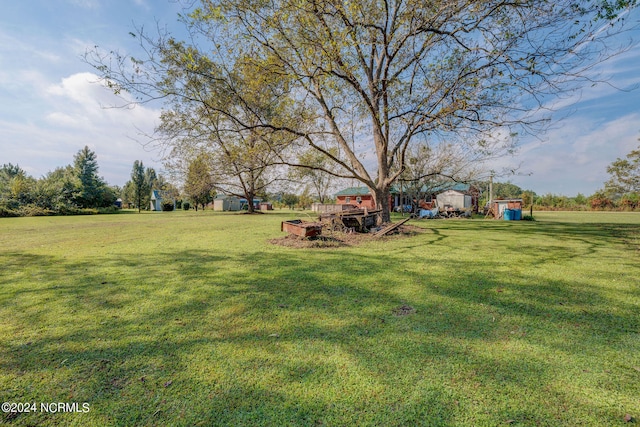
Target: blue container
column 517, row 214
column 512, row 214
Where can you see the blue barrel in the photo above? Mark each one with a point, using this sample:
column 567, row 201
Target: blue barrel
column 517, row 214
column 508, row 215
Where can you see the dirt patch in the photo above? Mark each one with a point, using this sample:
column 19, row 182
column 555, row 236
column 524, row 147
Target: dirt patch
column 404, row 310
column 408, row 230
column 336, row 239
column 250, row 213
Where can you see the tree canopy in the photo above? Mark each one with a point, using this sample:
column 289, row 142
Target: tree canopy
column 140, row 185
column 625, row 174
column 91, row 186
column 360, row 82
column 198, row 184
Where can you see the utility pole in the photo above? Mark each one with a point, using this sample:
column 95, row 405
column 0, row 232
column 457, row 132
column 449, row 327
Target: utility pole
column 491, row 191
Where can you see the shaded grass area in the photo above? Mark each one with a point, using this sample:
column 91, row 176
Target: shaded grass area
column 195, row 319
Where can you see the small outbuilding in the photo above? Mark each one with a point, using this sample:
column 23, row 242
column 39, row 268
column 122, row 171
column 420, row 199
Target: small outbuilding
column 156, row 200
column 244, row 204
column 508, row 209
column 223, row 202
column 456, row 196
column 454, row 199
column 157, row 196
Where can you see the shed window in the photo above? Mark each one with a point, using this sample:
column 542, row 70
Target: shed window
column 347, row 199
column 359, row 199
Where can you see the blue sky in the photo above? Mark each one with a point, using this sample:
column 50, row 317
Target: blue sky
column 50, row 106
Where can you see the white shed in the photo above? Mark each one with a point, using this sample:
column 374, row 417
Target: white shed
column 454, row 199
column 226, row 203
column 156, row 200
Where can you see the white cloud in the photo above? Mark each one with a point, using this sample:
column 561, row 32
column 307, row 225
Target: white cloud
column 86, row 4
column 573, row 157
column 84, row 95
column 142, row 3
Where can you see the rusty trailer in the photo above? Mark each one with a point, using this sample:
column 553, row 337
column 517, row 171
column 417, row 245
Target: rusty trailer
column 360, row 220
column 301, row 228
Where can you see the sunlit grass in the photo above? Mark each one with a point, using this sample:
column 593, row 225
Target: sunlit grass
column 191, row 318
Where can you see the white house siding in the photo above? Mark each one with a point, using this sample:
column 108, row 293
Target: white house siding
column 455, row 199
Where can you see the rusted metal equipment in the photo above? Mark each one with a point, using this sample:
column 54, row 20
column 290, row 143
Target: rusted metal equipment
column 360, row 220
column 301, row 228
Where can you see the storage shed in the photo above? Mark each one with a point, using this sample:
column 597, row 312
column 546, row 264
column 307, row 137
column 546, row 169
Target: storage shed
column 223, row 202
column 509, row 209
column 454, row 199
column 245, row 205
column 156, row 199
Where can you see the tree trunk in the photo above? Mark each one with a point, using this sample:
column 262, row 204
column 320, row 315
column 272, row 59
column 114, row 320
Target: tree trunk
column 250, row 195
column 381, row 196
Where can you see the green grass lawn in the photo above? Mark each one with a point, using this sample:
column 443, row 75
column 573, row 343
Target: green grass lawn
column 192, row 318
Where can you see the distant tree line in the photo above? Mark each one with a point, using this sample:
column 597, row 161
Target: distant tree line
column 74, row 189
column 78, row 189
column 620, row 192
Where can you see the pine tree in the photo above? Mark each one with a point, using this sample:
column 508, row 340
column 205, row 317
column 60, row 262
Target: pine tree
column 139, row 182
column 92, row 187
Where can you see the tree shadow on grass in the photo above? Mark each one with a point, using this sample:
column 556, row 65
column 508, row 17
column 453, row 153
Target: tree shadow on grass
column 592, row 234
column 185, row 337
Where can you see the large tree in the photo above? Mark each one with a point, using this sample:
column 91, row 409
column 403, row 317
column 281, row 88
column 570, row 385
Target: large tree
column 405, row 70
column 140, row 186
column 241, row 153
column 625, row 174
column 93, row 191
column 9, row 175
column 59, row 189
column 198, row 183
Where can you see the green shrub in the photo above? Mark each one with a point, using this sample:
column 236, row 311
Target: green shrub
column 87, row 211
column 167, row 205
column 109, row 210
column 34, row 210
column 629, row 202
column 186, row 206
column 601, row 203
column 6, row 210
